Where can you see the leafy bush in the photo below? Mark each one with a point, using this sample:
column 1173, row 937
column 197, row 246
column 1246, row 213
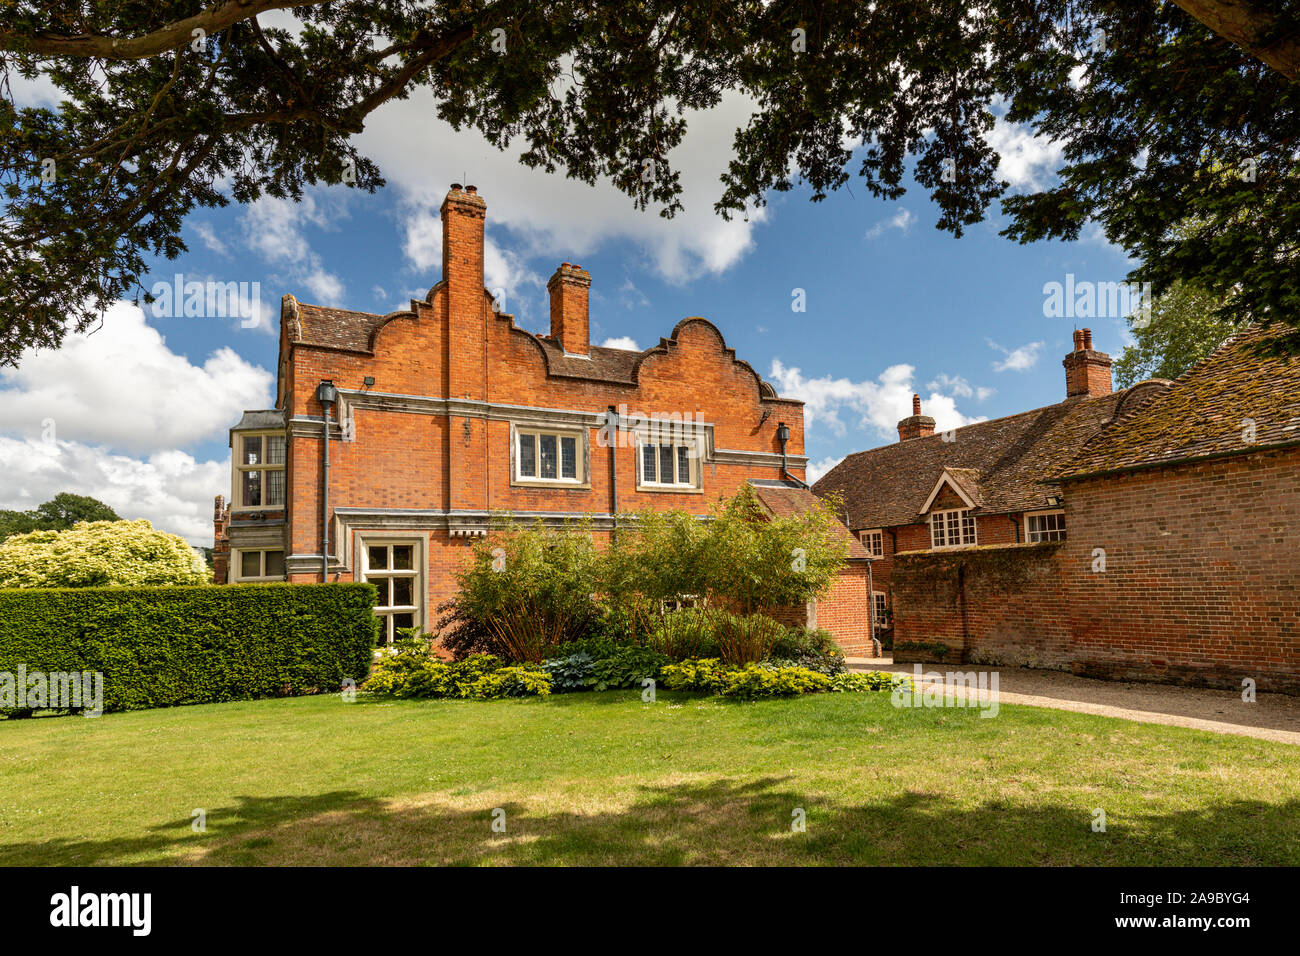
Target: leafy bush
column 812, row 648
column 100, row 554
column 744, row 640
column 571, row 672
column 683, row 634
column 754, row 681
column 412, row 674
column 160, row 647
column 706, row 674
column 523, row 592
column 861, row 682
column 627, row 667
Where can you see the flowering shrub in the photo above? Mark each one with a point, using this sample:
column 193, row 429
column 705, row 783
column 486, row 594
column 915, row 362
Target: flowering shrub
column 99, row 554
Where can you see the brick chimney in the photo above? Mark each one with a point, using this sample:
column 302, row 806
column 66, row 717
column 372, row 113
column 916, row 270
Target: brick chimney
column 916, row 426
column 1087, row 372
column 220, row 541
column 570, row 288
column 463, row 212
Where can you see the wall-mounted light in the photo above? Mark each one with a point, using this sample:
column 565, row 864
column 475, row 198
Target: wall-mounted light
column 1055, row 500
column 369, row 380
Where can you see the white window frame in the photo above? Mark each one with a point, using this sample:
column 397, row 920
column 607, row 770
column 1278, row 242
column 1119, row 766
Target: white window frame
column 940, row 519
column 239, row 469
column 1034, row 537
column 579, row 435
column 386, row 612
column 237, row 565
column 694, row 445
column 873, row 534
column 879, row 607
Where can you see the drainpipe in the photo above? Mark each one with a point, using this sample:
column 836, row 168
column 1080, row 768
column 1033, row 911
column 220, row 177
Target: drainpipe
column 612, row 432
column 871, row 603
column 327, row 395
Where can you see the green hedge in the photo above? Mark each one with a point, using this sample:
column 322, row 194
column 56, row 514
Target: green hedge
column 159, row 647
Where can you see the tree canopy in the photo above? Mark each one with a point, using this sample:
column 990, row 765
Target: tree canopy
column 59, row 513
column 177, row 104
column 1183, row 328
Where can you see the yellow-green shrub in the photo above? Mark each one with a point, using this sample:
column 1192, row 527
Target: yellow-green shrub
column 99, row 554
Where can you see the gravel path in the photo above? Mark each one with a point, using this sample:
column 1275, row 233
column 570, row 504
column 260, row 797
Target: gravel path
column 1273, row 717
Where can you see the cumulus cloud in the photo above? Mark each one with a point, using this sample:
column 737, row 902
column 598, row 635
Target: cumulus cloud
column 274, row 228
column 818, row 468
column 958, row 387
column 557, row 218
column 901, row 220
column 1017, row 360
column 121, row 386
column 1026, row 161
column 621, row 342
column 877, row 405
column 170, row 488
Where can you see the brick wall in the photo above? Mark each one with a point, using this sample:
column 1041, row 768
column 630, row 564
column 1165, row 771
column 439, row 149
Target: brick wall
column 996, row 604
column 1202, row 578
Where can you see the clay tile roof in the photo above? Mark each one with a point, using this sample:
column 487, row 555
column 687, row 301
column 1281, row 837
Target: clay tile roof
column 337, row 328
column 604, row 365
column 1254, row 375
column 1001, row 464
column 787, row 501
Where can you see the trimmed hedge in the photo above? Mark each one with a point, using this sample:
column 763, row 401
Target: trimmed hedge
column 160, row 647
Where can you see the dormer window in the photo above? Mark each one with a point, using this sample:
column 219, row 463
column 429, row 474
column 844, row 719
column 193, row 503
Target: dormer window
column 259, row 470
column 952, row 529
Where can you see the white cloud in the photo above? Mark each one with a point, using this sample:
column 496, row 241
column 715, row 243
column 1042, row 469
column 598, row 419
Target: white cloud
column 1026, row 161
column 210, row 238
column 901, row 220
column 169, row 488
column 878, row 404
column 818, row 468
column 549, row 215
column 958, row 387
column 1017, row 360
column 621, row 342
column 121, row 386
column 274, row 228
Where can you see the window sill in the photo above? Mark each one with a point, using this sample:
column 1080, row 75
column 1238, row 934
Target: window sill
column 543, row 483
column 672, row 489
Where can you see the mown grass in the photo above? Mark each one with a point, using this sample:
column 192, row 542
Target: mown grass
column 607, row 779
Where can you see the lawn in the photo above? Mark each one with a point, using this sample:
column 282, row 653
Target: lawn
column 604, row 778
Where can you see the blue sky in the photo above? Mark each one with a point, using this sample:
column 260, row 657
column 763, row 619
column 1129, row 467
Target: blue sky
column 136, row 413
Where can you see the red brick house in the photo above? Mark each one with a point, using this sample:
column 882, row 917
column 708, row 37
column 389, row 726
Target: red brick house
column 1174, row 553
column 443, row 414
column 978, row 485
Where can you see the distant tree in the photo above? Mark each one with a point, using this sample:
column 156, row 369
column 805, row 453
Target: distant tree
column 1183, row 329
column 99, row 554
column 58, row 514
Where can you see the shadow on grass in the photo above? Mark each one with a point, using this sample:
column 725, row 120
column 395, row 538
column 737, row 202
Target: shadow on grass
column 717, row 822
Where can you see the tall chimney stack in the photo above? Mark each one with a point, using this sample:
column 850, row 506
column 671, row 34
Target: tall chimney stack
column 570, row 290
column 916, row 426
column 1087, row 372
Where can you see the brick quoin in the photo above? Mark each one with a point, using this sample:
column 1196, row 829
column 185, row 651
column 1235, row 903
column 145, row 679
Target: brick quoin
column 454, row 345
